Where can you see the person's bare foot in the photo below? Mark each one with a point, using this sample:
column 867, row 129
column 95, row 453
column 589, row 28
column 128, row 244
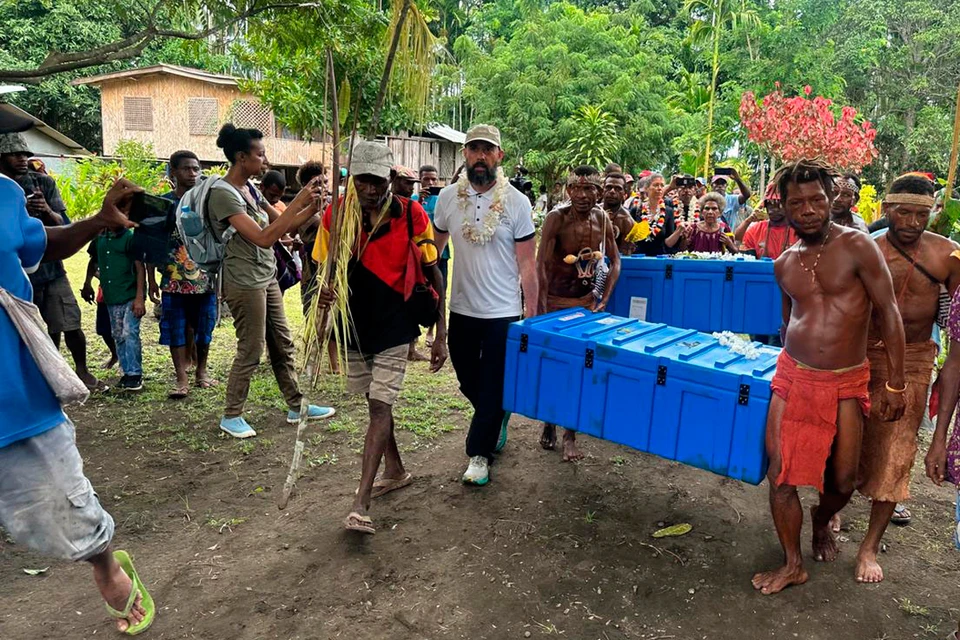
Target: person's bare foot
column 868, row 570
column 548, row 439
column 825, row 547
column 109, row 364
column 570, row 451
column 115, row 589
column 835, row 523
column 770, row 582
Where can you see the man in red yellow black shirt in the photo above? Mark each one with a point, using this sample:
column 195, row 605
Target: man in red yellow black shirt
column 381, row 325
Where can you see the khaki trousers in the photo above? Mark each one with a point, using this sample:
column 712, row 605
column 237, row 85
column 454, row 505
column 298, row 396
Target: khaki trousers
column 258, row 317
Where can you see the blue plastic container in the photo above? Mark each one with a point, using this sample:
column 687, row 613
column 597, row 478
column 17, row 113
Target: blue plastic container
column 708, row 295
column 548, row 365
column 676, row 393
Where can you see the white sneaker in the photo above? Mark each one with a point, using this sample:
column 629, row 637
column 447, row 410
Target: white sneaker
column 477, row 472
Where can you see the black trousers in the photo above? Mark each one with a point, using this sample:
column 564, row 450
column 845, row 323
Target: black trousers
column 478, row 350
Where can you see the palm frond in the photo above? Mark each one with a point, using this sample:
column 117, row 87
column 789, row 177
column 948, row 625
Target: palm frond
column 418, row 52
column 336, row 322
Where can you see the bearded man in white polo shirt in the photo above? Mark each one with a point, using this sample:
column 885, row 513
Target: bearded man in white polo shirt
column 491, row 226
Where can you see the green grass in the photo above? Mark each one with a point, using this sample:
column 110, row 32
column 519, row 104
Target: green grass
column 912, row 609
column 430, row 405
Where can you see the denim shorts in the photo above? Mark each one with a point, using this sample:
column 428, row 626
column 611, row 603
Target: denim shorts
column 46, row 503
column 181, row 310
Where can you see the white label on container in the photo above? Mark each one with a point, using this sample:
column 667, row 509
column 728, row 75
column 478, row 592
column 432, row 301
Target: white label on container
column 638, row 308
column 610, row 320
column 572, row 316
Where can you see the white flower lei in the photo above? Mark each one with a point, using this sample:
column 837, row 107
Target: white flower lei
column 488, row 226
column 738, row 345
column 707, row 255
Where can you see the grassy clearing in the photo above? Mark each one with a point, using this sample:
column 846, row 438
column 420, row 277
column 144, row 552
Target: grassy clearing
column 430, row 405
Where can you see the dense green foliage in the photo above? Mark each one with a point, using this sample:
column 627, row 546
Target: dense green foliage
column 565, row 80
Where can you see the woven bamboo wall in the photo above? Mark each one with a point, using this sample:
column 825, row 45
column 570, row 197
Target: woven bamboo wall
column 165, row 121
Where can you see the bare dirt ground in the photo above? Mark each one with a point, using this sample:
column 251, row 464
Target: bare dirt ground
column 547, row 549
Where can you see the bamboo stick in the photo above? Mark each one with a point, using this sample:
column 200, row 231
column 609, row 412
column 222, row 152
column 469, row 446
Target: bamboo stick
column 313, row 351
column 952, row 173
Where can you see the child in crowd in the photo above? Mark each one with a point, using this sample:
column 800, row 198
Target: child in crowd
column 103, row 316
column 123, row 281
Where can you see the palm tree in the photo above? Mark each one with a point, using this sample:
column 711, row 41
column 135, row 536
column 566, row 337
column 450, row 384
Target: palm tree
column 710, row 19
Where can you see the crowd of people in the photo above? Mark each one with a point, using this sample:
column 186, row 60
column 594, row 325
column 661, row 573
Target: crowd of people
column 859, row 313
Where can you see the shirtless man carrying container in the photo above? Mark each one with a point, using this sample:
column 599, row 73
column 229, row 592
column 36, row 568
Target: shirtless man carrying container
column 575, row 239
column 831, row 280
column 920, row 263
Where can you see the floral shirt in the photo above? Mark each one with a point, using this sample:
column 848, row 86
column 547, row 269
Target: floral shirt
column 181, row 274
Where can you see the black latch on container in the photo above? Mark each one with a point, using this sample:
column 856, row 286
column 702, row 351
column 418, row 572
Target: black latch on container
column 668, row 272
column 588, row 359
column 661, row 375
column 744, row 398
column 524, row 340
column 729, row 274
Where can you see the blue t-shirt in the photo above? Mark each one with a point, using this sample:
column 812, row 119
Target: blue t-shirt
column 28, row 406
column 430, row 205
column 735, row 212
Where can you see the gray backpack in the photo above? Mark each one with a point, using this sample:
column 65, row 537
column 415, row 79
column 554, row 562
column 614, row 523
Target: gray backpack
column 203, row 244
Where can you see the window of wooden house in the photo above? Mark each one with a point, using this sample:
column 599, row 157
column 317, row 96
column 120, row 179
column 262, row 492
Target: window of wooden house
column 252, row 115
column 203, row 116
column 137, row 113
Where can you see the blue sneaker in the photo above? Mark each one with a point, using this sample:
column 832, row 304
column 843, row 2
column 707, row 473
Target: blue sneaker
column 502, row 441
column 237, row 427
column 313, row 413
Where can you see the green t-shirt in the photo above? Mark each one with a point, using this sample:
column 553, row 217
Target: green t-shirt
column 245, row 265
column 118, row 271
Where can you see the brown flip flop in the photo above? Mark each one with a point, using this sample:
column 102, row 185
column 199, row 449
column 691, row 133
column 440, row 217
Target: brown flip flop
column 178, row 393
column 382, row 486
column 206, row 383
column 359, row 523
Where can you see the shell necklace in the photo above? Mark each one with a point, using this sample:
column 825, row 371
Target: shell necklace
column 813, row 270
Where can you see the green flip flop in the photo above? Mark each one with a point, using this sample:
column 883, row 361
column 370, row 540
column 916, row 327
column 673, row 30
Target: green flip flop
column 146, row 601
column 502, row 440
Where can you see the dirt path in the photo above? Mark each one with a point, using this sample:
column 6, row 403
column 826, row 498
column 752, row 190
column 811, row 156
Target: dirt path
column 547, row 548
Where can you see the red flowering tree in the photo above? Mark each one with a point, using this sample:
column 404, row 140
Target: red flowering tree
column 798, row 127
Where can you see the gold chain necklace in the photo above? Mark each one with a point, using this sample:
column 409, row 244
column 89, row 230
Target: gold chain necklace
column 813, row 270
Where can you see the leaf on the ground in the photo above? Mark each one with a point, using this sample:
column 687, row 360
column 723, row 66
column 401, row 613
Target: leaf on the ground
column 676, row 530
column 35, row 572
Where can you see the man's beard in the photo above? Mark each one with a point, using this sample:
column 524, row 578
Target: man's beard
column 481, row 175
column 843, row 214
column 814, row 238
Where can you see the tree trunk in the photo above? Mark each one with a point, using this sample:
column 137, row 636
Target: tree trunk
column 763, row 176
column 713, row 95
column 909, row 124
column 388, row 67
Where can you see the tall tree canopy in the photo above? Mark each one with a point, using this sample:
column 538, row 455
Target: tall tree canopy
column 550, row 73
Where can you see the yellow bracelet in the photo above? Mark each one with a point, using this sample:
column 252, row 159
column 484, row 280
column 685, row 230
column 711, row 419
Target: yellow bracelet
column 892, row 390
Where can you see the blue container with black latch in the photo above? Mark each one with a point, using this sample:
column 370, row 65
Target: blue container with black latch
column 549, row 365
column 708, row 407
column 741, row 296
column 676, row 393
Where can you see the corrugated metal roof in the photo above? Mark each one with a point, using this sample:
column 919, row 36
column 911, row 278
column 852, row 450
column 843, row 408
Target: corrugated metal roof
column 168, row 69
column 42, row 127
column 447, row 133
